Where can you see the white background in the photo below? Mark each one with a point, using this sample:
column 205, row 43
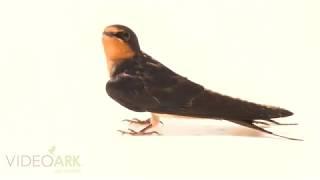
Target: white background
column 53, row 75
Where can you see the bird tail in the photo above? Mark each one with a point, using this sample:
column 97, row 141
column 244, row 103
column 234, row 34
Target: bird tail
column 266, row 113
column 249, row 114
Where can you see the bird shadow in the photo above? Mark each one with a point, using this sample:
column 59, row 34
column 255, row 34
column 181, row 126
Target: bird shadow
column 189, row 128
column 212, row 131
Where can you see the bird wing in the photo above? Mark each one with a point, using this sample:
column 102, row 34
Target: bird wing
column 143, row 84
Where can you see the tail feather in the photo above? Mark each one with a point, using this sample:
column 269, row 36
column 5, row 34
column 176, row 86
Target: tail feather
column 253, row 126
column 268, row 121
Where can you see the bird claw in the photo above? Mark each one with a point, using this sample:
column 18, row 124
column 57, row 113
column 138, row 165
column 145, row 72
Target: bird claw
column 138, row 133
column 138, row 121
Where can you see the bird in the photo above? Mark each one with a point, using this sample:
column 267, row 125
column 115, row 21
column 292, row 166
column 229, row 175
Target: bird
column 142, row 84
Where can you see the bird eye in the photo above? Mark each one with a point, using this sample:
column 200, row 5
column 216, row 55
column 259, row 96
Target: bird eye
column 125, row 36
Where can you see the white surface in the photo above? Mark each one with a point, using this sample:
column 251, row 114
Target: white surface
column 53, row 74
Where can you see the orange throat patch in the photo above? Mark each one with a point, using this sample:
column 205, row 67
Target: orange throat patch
column 116, row 51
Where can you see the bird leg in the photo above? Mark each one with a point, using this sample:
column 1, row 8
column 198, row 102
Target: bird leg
column 151, row 120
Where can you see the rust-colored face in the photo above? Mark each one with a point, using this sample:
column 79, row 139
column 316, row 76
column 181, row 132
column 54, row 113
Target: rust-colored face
column 120, row 43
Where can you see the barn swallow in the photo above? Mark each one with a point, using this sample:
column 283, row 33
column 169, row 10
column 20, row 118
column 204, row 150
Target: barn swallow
column 142, row 84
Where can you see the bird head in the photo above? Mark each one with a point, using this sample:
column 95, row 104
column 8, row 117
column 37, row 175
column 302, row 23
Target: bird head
column 120, row 43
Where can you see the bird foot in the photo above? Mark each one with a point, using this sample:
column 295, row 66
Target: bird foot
column 138, row 133
column 142, row 132
column 140, row 122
